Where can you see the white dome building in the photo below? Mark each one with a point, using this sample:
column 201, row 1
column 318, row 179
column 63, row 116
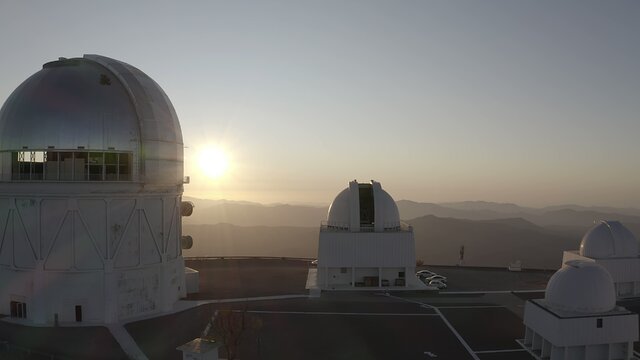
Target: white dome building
column 91, row 181
column 369, row 206
column 612, row 245
column 363, row 244
column 578, row 318
column 581, row 287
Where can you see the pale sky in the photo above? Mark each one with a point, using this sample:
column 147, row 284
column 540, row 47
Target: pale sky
column 532, row 102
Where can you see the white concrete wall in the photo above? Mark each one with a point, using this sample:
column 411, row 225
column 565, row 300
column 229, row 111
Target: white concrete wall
column 335, row 276
column 624, row 271
column 117, row 255
column 576, row 331
column 366, row 249
column 192, row 280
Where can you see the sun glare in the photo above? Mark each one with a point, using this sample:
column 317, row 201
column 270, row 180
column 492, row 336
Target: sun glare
column 213, row 162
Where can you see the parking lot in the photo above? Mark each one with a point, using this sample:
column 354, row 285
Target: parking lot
column 348, row 325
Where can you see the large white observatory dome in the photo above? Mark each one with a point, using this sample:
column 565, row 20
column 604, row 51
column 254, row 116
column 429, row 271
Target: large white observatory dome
column 581, row 286
column 91, row 182
column 94, row 103
column 609, row 239
column 362, row 206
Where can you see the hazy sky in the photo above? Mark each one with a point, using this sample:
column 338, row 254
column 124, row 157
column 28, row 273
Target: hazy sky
column 533, row 102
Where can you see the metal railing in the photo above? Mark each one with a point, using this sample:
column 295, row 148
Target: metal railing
column 389, row 227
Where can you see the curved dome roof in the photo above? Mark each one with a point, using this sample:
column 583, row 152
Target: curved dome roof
column 581, row 286
column 609, row 239
column 96, row 103
column 364, row 205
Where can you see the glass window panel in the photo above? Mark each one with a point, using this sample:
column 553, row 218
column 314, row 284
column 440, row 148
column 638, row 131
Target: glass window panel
column 66, row 166
column 51, row 166
column 111, row 158
column 80, row 160
column 111, row 173
column 96, row 158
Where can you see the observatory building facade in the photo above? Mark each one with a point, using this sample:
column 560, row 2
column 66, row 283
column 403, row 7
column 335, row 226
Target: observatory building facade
column 91, row 182
column 363, row 243
column 578, row 318
column 613, row 246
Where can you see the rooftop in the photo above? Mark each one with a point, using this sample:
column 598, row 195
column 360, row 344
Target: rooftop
column 478, row 317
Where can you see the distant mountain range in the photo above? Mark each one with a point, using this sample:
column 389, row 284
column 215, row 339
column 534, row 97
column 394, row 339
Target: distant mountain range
column 254, row 214
column 493, row 234
column 487, row 243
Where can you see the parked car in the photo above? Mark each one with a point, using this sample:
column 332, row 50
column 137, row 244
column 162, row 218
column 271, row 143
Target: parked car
column 436, row 277
column 437, row 283
column 425, row 273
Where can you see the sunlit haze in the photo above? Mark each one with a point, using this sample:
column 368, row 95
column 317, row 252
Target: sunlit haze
column 532, row 102
column 213, row 161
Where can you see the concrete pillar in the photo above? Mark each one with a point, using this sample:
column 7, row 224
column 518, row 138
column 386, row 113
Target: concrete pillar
column 528, row 336
column 110, row 293
column 546, row 349
column 406, row 277
column 37, row 313
column 326, row 277
column 167, row 292
column 536, row 344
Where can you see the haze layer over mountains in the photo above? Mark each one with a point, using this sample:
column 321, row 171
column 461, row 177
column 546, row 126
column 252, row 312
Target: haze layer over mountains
column 493, row 234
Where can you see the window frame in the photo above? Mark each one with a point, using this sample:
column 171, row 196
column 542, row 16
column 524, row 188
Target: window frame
column 77, row 165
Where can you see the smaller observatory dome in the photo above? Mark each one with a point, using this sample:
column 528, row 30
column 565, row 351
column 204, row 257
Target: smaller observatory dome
column 364, row 205
column 581, row 286
column 609, row 239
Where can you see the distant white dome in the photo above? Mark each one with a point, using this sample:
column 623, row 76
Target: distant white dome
column 364, row 205
column 581, row 286
column 609, row 239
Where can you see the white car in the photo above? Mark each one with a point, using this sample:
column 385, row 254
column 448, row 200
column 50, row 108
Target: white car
column 425, row 273
column 436, row 277
column 437, row 283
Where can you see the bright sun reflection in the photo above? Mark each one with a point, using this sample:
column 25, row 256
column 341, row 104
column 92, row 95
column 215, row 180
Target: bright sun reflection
column 213, row 162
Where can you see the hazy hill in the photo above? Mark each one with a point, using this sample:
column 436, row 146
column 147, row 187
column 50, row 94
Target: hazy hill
column 411, row 210
column 253, row 214
column 504, row 208
column 600, row 209
column 233, row 240
column 570, row 217
column 489, row 243
column 491, row 234
column 438, row 240
column 488, row 211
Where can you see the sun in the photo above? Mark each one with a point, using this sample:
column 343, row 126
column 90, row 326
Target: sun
column 213, row 162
